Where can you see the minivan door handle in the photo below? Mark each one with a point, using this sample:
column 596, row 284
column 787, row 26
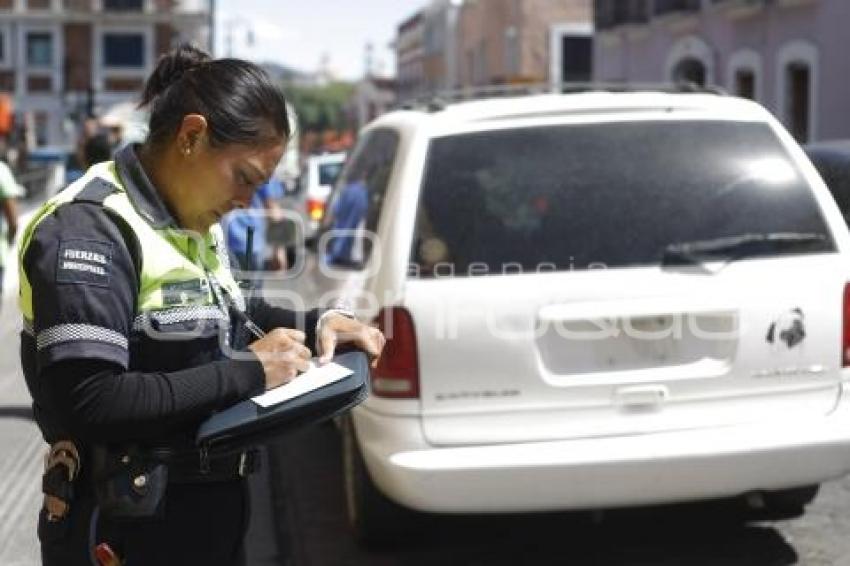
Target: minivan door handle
column 641, row 396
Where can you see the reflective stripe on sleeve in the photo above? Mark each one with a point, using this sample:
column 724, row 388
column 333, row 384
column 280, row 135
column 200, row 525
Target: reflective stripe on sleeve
column 178, row 315
column 77, row 333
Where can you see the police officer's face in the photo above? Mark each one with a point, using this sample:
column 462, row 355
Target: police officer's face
column 215, row 180
column 230, row 177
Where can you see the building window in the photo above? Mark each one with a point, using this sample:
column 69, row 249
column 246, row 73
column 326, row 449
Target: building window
column 662, row 7
column 796, row 89
column 39, row 49
column 39, row 83
column 689, row 70
column 77, row 5
column 123, row 50
column 799, row 78
column 7, row 85
column 690, row 59
column 745, row 83
column 612, row 13
column 571, row 46
column 744, row 74
column 576, row 58
column 123, row 5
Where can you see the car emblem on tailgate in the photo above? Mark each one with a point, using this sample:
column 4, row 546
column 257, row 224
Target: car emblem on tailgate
column 788, row 328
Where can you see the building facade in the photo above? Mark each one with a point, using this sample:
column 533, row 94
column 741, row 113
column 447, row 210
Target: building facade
column 525, row 41
column 410, row 56
column 372, row 97
column 789, row 55
column 62, row 59
column 455, row 44
column 440, row 38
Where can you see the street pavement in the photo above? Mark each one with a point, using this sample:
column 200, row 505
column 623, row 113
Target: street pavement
column 23, row 448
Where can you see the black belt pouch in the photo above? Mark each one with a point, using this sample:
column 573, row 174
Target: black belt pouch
column 129, row 482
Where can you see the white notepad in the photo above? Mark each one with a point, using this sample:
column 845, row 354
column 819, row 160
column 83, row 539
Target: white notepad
column 312, row 379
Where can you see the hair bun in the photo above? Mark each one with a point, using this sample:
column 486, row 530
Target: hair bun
column 170, row 68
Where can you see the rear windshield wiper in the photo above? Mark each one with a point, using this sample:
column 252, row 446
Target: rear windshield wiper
column 731, row 248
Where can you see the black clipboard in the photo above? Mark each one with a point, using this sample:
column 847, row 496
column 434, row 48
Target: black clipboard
column 247, row 424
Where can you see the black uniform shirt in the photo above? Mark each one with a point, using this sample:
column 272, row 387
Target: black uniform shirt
column 91, row 376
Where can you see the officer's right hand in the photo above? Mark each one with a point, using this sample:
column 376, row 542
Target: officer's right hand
column 283, row 354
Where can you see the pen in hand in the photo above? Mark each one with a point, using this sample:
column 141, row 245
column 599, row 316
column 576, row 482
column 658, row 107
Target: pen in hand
column 250, row 325
column 234, row 311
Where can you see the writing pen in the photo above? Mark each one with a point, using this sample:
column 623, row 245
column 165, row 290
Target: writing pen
column 249, row 254
column 246, row 320
column 224, row 298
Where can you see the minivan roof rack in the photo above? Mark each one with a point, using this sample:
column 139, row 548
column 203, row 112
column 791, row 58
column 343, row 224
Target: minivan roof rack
column 437, row 101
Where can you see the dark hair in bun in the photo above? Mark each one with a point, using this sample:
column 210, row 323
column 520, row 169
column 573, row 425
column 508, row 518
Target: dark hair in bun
column 238, row 99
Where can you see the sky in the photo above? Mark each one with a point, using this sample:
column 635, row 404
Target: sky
column 297, row 33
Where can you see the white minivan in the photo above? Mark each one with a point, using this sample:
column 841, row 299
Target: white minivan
column 596, row 300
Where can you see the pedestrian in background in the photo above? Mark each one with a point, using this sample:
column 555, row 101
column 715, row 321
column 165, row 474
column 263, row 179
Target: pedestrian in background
column 247, row 230
column 76, row 165
column 89, row 128
column 96, row 149
column 135, row 329
column 347, row 213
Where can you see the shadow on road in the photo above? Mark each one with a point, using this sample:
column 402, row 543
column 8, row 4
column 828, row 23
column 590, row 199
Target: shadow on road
column 649, row 536
column 308, row 469
column 16, row 412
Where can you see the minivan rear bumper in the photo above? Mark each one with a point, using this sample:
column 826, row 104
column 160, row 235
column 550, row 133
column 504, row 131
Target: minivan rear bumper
column 601, row 472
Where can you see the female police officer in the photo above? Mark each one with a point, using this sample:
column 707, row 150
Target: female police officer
column 129, row 339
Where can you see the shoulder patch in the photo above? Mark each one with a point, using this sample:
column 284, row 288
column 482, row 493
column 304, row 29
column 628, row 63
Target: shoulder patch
column 85, row 262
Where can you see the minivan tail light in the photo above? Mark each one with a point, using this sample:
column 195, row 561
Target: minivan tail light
column 315, row 209
column 845, row 340
column 397, row 374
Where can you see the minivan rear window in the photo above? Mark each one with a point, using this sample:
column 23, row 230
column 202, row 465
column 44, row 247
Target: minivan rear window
column 576, row 197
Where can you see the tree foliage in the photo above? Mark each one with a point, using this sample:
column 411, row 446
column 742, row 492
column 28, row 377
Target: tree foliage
column 321, row 108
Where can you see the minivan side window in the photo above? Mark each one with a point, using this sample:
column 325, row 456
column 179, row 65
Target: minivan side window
column 358, row 199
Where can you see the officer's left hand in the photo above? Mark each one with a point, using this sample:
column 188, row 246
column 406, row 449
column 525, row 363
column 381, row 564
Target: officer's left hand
column 339, row 329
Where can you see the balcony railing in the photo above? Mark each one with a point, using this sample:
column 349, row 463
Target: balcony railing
column 739, row 8
column 663, row 7
column 613, row 13
column 123, row 5
column 739, row 2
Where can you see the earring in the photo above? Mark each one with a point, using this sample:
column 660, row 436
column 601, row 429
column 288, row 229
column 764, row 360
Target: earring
column 187, row 151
